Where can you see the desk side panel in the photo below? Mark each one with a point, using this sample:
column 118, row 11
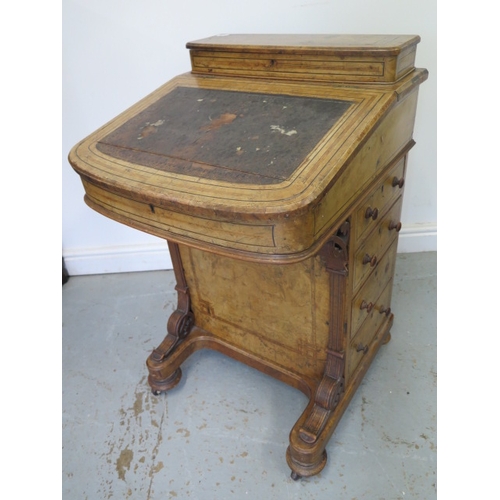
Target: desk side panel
column 278, row 313
column 392, row 138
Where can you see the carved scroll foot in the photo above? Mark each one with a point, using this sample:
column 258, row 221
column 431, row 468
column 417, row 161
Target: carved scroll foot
column 387, row 338
column 163, row 376
column 306, row 455
column 327, row 397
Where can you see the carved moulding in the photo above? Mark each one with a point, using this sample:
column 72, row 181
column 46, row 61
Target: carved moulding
column 309, row 429
column 179, row 324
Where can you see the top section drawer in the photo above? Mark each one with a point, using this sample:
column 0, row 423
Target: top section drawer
column 331, row 58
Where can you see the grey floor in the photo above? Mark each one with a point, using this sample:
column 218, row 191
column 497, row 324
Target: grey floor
column 223, row 431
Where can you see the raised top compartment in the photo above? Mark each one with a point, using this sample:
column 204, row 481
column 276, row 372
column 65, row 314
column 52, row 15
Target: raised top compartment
column 327, row 58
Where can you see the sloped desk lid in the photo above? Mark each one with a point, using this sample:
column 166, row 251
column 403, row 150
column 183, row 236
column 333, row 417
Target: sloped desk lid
column 231, row 145
column 233, row 163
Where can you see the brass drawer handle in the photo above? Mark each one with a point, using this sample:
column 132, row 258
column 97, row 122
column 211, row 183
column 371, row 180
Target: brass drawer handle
column 385, row 310
column 368, row 306
column 362, row 347
column 371, row 213
column 398, row 182
column 395, row 225
column 371, row 260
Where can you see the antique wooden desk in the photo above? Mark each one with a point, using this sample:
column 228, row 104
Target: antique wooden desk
column 275, row 172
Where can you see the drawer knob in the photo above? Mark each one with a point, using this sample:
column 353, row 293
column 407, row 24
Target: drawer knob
column 370, row 260
column 362, row 347
column 368, row 306
column 385, row 310
column 371, row 213
column 395, row 225
column 398, row 182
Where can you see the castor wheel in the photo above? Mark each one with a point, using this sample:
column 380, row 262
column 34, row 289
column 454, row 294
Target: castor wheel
column 295, row 476
column 164, row 385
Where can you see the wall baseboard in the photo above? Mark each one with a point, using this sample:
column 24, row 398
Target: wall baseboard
column 418, row 238
column 119, row 259
column 155, row 257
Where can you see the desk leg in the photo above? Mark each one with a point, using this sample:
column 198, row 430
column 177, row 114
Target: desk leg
column 162, row 376
column 306, row 454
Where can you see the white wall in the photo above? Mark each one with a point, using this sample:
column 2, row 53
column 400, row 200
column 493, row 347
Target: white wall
column 117, row 51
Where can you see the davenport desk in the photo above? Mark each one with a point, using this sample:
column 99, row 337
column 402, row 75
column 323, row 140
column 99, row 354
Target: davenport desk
column 275, row 171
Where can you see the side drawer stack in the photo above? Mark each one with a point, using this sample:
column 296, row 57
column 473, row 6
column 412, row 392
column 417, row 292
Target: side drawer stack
column 375, row 227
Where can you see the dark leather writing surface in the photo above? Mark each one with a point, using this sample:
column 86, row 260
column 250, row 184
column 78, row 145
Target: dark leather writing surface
column 239, row 137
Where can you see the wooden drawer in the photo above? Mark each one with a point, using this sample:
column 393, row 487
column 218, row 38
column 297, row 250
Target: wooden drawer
column 368, row 302
column 369, row 253
column 381, row 198
column 360, row 345
column 310, row 60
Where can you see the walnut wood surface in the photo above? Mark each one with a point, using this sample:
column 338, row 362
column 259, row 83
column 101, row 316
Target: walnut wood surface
column 331, row 58
column 363, row 45
column 280, row 197
column 282, row 221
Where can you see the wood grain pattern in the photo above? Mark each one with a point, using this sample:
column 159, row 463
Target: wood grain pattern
column 298, row 212
column 278, row 187
column 331, row 387
column 367, row 302
column 379, row 200
column 369, row 253
column 329, row 58
column 364, row 45
column 361, row 343
column 289, row 330
column 179, row 325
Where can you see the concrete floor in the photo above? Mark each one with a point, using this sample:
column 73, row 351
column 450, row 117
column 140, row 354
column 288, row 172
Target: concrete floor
column 223, row 431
